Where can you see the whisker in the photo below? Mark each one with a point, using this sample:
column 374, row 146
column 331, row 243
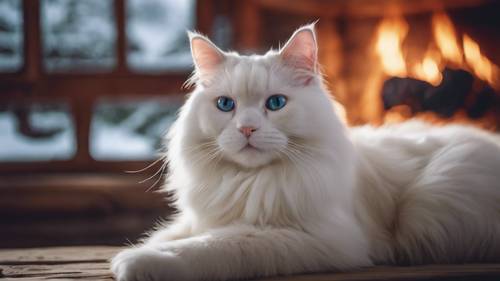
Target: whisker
column 200, row 146
column 154, row 175
column 205, row 156
column 160, row 172
column 155, row 183
column 147, row 167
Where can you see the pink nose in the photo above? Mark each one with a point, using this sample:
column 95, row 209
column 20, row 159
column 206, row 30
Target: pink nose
column 247, row 130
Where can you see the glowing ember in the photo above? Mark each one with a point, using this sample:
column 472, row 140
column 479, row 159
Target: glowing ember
column 446, row 38
column 391, row 33
column 481, row 65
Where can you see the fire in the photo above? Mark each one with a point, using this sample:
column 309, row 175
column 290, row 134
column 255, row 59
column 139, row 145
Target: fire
column 446, row 49
column 428, row 70
column 481, row 65
column 446, row 38
column 391, row 33
column 390, row 36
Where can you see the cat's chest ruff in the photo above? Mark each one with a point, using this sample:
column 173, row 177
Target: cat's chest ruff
column 253, row 197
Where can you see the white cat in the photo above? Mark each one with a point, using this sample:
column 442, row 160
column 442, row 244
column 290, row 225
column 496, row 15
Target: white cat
column 269, row 181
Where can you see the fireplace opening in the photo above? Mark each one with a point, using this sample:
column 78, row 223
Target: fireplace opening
column 450, row 81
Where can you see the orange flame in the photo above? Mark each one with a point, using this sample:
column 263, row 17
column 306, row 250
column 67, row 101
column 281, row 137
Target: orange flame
column 445, row 50
column 428, row 70
column 446, row 38
column 391, row 33
column 481, row 65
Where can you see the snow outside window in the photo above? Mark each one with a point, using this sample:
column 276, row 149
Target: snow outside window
column 78, row 35
column 131, row 129
column 11, row 35
column 156, row 34
column 36, row 132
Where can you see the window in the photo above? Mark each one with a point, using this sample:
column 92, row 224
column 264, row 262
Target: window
column 156, row 34
column 11, row 35
column 78, row 35
column 91, row 85
column 131, row 128
column 36, row 132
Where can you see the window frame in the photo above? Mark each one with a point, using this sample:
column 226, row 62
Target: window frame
column 81, row 91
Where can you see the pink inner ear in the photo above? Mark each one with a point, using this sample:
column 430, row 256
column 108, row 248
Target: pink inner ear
column 206, row 56
column 301, row 50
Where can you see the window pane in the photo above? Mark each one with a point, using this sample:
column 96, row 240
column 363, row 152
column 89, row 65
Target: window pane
column 156, row 34
column 78, row 35
column 131, row 129
column 11, row 35
column 36, row 132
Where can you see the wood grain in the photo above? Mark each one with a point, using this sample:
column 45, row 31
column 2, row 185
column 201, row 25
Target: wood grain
column 91, row 263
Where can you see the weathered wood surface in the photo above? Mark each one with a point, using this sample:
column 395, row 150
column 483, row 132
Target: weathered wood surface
column 64, row 263
column 91, row 263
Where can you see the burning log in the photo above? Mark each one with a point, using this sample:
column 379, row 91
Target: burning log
column 485, row 100
column 404, row 91
column 465, row 91
column 455, row 92
column 450, row 95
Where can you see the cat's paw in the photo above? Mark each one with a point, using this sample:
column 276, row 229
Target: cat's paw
column 145, row 264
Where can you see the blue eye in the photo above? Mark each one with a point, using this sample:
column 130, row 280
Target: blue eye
column 276, row 102
column 225, row 104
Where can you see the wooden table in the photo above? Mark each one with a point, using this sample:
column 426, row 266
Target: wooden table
column 91, row 263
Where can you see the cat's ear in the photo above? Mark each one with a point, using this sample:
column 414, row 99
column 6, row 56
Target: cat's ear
column 301, row 50
column 206, row 56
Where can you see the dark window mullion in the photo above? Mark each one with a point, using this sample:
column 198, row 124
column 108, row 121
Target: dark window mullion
column 121, row 40
column 32, row 40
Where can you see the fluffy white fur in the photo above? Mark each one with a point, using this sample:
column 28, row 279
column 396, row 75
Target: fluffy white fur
column 304, row 193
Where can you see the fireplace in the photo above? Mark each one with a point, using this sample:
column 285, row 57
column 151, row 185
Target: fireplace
column 449, row 80
column 389, row 61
